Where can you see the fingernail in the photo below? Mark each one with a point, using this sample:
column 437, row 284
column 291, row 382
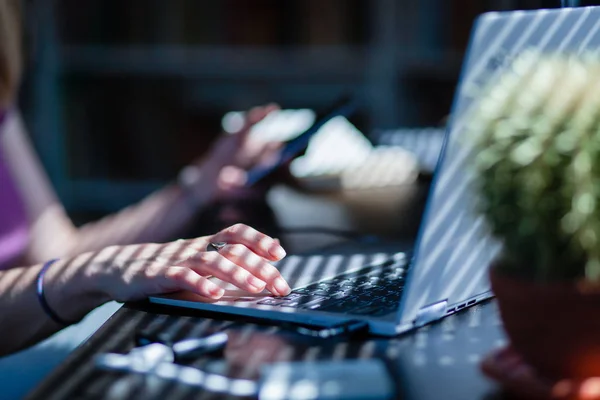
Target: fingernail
column 277, row 252
column 282, row 287
column 215, row 291
column 256, row 283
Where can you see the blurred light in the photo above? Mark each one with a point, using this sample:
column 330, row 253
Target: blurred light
column 191, row 376
column 233, row 122
column 304, row 389
column 167, row 371
column 474, row 358
column 242, row 387
column 217, row 383
column 274, row 390
column 446, row 361
column 590, row 389
column 283, row 125
column 562, row 389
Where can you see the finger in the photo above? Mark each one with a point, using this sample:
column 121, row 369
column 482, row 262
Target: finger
column 182, row 278
column 258, row 242
column 254, row 116
column 267, row 154
column 257, row 266
column 257, row 114
column 213, row 263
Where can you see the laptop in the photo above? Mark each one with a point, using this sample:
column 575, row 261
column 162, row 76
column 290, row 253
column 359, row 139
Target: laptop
column 447, row 272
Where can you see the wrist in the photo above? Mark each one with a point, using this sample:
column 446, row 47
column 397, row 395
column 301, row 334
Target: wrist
column 41, row 295
column 71, row 288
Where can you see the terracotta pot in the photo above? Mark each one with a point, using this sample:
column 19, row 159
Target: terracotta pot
column 555, row 327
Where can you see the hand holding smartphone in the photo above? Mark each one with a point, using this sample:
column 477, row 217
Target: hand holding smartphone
column 293, row 148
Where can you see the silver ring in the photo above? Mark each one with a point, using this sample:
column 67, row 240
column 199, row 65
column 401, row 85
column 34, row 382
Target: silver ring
column 215, row 246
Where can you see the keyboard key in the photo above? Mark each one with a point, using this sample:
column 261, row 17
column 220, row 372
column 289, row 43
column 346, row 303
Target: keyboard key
column 319, row 292
column 271, row 302
column 348, row 283
column 323, row 304
column 305, row 290
column 378, row 273
column 324, row 286
column 341, row 294
column 374, row 290
column 292, row 304
column 370, row 295
column 382, row 291
column 366, row 286
column 344, row 306
column 292, row 296
column 313, row 300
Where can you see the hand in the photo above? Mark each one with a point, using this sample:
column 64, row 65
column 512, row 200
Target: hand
column 224, row 168
column 137, row 271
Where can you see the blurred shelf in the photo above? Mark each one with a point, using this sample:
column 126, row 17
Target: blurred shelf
column 147, row 79
column 326, row 62
column 293, row 94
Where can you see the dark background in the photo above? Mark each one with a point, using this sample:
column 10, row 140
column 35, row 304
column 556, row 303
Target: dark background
column 119, row 95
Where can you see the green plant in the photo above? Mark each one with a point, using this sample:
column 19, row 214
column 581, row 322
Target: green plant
column 537, row 165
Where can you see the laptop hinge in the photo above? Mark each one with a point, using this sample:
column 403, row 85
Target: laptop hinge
column 430, row 313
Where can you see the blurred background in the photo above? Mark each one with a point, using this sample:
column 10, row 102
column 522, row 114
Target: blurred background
column 120, row 95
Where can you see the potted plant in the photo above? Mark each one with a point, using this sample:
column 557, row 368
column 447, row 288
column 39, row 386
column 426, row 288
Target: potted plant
column 536, row 131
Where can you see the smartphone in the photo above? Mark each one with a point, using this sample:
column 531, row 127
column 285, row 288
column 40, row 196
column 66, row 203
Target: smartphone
column 344, row 107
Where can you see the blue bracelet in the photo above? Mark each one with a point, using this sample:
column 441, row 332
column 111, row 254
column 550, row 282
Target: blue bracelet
column 42, row 297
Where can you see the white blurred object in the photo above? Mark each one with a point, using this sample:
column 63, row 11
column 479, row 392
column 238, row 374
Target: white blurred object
column 281, row 125
column 348, row 379
column 233, row 121
column 339, row 156
column 424, row 143
column 338, row 145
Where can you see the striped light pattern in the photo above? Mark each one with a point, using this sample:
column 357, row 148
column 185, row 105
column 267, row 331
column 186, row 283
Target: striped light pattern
column 454, row 247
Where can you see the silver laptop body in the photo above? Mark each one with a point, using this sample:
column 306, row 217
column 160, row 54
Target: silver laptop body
column 448, row 270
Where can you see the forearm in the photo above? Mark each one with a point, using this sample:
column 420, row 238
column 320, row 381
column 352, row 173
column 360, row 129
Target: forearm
column 160, row 217
column 67, row 288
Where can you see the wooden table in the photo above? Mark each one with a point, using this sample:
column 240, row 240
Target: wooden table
column 436, row 362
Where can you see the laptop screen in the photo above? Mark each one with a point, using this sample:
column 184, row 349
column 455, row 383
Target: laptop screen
column 454, row 249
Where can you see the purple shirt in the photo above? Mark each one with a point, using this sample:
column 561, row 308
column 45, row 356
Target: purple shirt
column 14, row 225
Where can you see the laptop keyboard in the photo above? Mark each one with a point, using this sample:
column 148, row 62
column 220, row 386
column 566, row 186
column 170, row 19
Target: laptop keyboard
column 373, row 290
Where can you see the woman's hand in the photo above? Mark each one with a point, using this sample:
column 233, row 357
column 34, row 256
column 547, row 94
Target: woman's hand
column 142, row 270
column 73, row 287
column 134, row 272
column 223, row 170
